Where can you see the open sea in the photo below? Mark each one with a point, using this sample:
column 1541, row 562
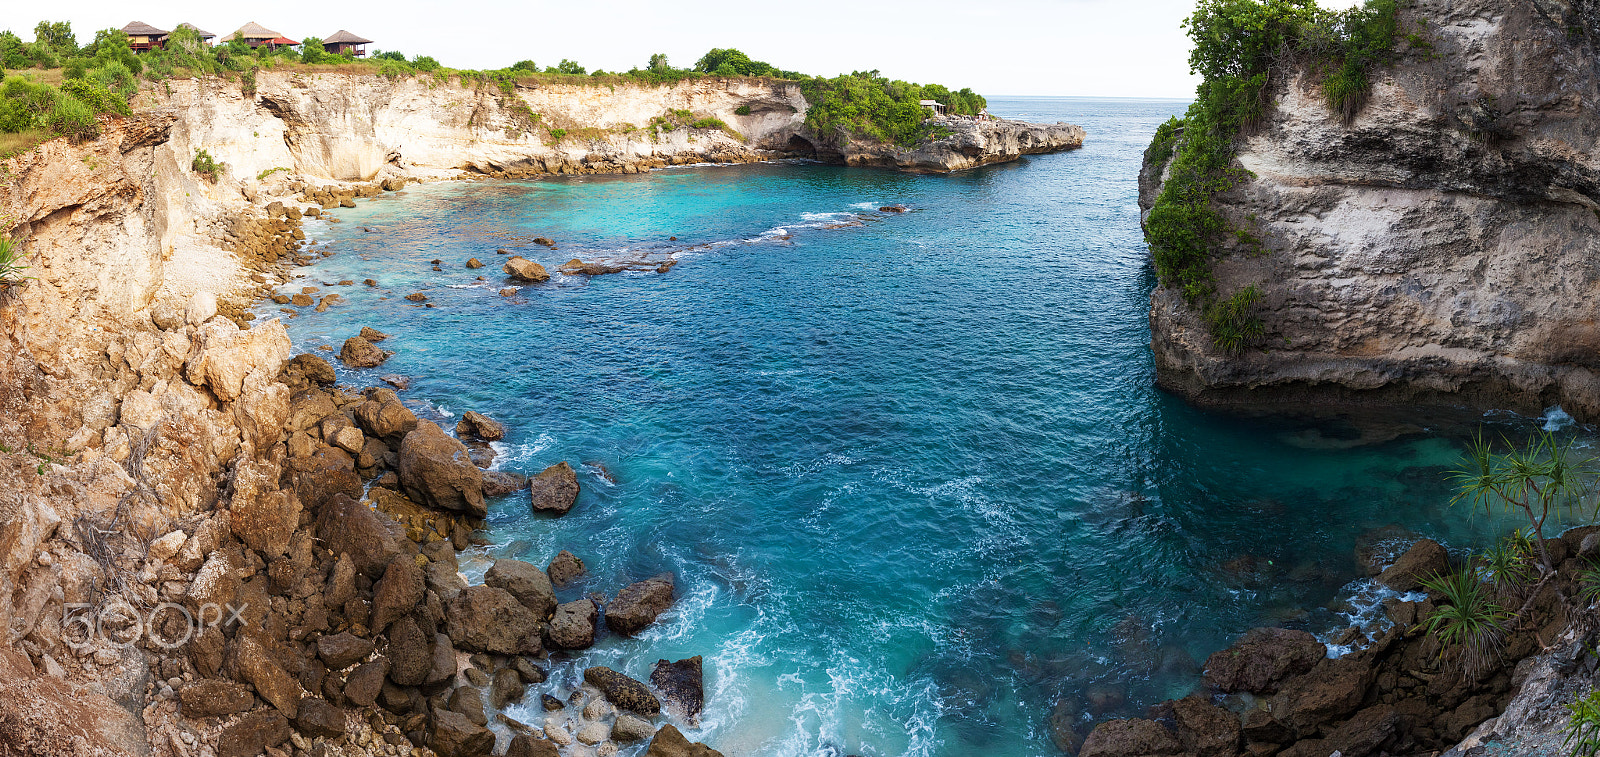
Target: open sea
column 912, row 472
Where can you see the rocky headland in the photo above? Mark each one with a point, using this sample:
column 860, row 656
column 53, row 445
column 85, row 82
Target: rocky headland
column 1436, row 248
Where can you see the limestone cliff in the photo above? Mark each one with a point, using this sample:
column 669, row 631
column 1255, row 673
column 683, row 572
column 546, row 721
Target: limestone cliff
column 346, row 127
column 1439, row 248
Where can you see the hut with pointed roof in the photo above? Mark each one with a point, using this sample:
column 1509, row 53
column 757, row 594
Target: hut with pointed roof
column 143, row 37
column 341, row 42
column 256, row 35
column 205, row 36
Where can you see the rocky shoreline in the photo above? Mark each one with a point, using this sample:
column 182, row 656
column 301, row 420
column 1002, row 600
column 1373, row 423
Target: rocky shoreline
column 1397, row 691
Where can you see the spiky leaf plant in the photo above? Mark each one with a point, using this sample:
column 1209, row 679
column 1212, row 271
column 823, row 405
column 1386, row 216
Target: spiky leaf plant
column 1508, row 567
column 1539, row 479
column 1583, row 730
column 11, row 267
column 1589, row 582
column 1471, row 619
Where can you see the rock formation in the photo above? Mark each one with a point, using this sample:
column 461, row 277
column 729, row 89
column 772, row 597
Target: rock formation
column 1435, row 248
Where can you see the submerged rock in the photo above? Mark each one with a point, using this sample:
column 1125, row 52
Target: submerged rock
column 360, row 353
column 476, row 424
column 1263, row 658
column 565, row 568
column 1425, row 559
column 669, row 742
column 554, row 490
column 681, row 684
column 638, row 604
column 574, row 624
column 522, row 269
column 622, row 691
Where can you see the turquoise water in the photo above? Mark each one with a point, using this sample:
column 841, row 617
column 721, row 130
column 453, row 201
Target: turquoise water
column 911, row 470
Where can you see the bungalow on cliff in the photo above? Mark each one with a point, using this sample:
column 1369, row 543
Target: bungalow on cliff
column 205, row 36
column 938, row 107
column 344, row 42
column 256, row 35
column 143, row 37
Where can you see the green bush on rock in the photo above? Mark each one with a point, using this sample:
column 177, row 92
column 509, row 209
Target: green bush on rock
column 1240, row 45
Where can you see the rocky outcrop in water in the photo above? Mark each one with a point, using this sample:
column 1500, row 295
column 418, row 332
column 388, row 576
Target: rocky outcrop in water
column 967, row 143
column 1434, row 249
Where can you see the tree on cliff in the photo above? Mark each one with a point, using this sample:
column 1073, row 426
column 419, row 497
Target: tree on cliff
column 57, row 36
column 1537, row 480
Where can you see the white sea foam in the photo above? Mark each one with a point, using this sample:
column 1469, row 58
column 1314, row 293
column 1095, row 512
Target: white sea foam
column 1556, row 419
column 1366, row 598
column 506, row 454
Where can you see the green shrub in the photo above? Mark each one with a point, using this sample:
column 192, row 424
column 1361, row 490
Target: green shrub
column 1508, row 566
column 525, row 65
column 73, row 118
column 389, row 55
column 865, row 104
column 1589, row 582
column 1470, row 619
column 566, row 67
column 1164, row 143
column 742, row 110
column 1583, row 728
column 96, row 96
column 13, row 51
column 425, row 63
column 247, row 82
column 709, row 123
column 57, row 36
column 11, row 267
column 395, row 69
column 205, row 165
column 1234, row 322
column 556, row 135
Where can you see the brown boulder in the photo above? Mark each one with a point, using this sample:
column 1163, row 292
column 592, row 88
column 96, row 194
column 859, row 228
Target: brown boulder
column 397, row 593
column 341, row 650
column 523, row 269
column 554, row 490
column 527, row 583
column 524, row 745
column 272, row 682
column 1206, row 729
column 486, row 619
column 468, row 701
column 372, row 335
column 436, row 470
column 313, row 368
column 1331, row 691
column 362, row 686
column 370, row 538
column 1262, row 659
column 506, row 686
column 456, row 736
column 1130, row 738
column 564, row 568
column 317, row 718
column 622, row 691
column 252, row 734
column 329, row 472
column 1359, row 736
column 573, row 625
column 410, row 653
column 477, row 424
column 1425, row 559
column 669, row 742
column 360, row 353
column 681, row 683
column 474, row 263
column 210, row 697
column 383, row 416
column 638, row 604
column 500, row 483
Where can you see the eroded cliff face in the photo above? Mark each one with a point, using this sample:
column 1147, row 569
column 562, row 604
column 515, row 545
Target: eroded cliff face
column 968, row 144
column 1443, row 247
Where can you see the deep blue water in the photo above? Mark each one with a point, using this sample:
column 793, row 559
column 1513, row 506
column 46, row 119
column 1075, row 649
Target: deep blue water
column 911, row 470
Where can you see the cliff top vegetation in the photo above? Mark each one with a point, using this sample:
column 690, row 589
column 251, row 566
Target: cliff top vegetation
column 58, row 87
column 1240, row 45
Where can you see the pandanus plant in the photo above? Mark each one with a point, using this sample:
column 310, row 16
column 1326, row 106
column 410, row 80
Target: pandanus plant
column 11, row 267
column 1541, row 478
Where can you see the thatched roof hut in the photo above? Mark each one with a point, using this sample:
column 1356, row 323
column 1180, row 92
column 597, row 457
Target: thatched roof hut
column 254, row 35
column 204, row 35
column 142, row 36
column 342, row 41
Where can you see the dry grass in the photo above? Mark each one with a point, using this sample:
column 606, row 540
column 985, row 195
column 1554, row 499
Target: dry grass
column 16, row 143
column 51, row 76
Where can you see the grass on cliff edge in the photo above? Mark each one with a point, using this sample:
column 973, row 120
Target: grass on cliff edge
column 1240, row 47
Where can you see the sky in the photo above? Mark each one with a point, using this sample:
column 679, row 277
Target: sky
column 1095, row 48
